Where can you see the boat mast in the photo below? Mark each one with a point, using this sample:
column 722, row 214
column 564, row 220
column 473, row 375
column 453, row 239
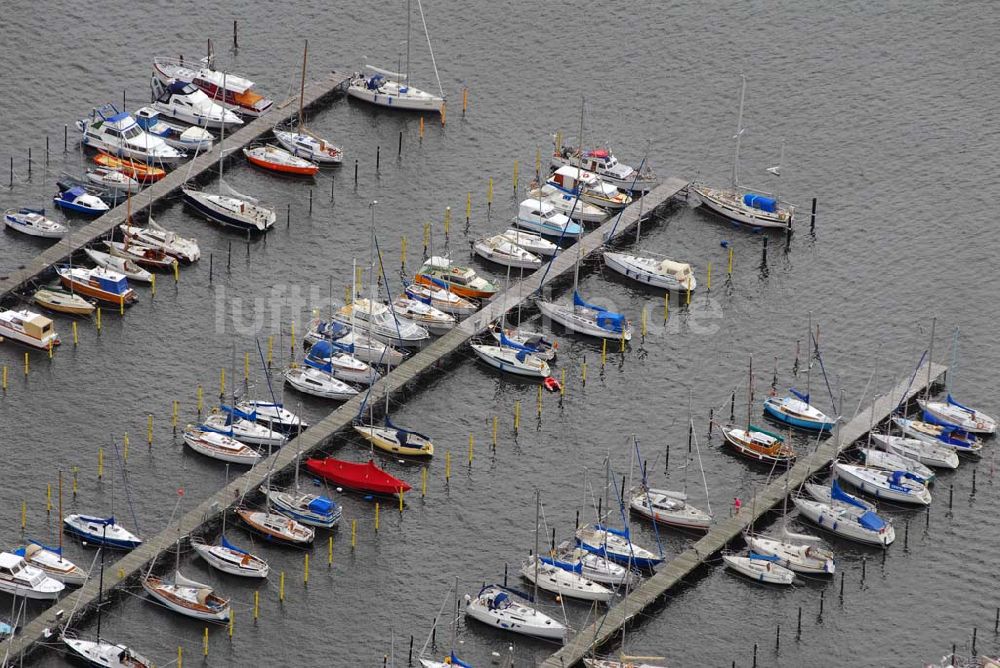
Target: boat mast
column 579, row 155
column 739, row 133
column 406, row 74
column 930, row 360
column 222, row 134
column 809, row 360
column 749, row 395
column 538, row 505
column 100, row 586
column 60, row 514
column 302, row 84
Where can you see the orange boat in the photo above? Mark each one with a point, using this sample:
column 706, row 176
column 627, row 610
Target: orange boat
column 279, row 160
column 462, row 281
column 100, row 283
column 140, row 171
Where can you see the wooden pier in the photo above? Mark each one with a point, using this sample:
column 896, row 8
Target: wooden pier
column 131, row 566
column 187, row 171
column 725, row 531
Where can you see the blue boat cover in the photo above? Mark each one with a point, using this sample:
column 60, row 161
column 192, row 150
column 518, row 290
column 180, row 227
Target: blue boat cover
column 578, row 301
column 321, row 350
column 498, row 600
column 504, row 341
column 374, row 82
column 455, row 661
column 73, row 193
column 804, row 397
column 617, row 532
column 762, row 202
column 838, row 494
column 896, row 478
column 609, row 320
column 56, row 550
column 322, row 505
column 565, row 565
column 402, row 431
column 756, row 556
column 117, row 287
column 237, row 413
column 226, row 544
column 20, row 551
column 955, row 403
column 415, row 295
column 871, row 521
column 99, row 520
column 437, row 281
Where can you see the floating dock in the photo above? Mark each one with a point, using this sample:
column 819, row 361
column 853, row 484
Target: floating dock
column 132, row 565
column 724, row 532
column 187, row 171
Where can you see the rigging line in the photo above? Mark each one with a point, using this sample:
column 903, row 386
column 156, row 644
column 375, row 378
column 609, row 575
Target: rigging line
column 429, row 48
column 642, row 164
column 128, row 494
column 704, row 479
column 645, row 487
column 822, row 367
column 902, row 398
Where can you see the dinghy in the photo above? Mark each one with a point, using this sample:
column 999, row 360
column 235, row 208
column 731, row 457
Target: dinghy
column 952, row 413
column 603, row 162
column 589, row 187
column 380, row 321
column 616, row 545
column 670, row 508
column 440, row 272
column 442, row 299
column 537, row 342
column 587, row 319
column 34, row 223
column 105, row 654
column 63, row 302
column 501, row 251
column 363, row 477
column 117, row 133
column 230, row 559
column 425, row 315
column 533, row 243
column 563, row 582
column 17, row 578
column 50, row 560
column 760, row 567
column 930, row 454
column 140, row 171
column 809, row 559
column 188, row 597
column 279, row 160
column 122, row 265
column 234, row 92
column 147, row 256
column 960, row 441
column 339, row 362
column 153, row 235
column 496, row 606
column 244, row 431
column 277, row 527
column 890, row 461
column 185, row 102
column 543, row 217
column 565, row 205
column 396, row 440
column 272, row 415
column 217, row 446
column 112, row 181
column 102, row 284
column 593, row 566
column 78, row 200
column 191, row 139
column 759, row 445
column 897, row 486
column 101, row 531
column 665, row 274
column 319, row 384
column 30, row 328
column 512, row 358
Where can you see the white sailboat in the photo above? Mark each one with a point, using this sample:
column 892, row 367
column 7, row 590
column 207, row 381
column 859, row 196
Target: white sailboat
column 759, row 567
column 302, row 142
column 898, row 486
column 845, row 515
column 929, row 454
column 584, row 318
column 219, row 446
column 657, row 272
column 319, row 383
column 890, row 461
column 563, row 582
column 229, row 558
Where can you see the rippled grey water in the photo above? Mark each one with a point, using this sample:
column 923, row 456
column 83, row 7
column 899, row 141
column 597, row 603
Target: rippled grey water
column 886, row 113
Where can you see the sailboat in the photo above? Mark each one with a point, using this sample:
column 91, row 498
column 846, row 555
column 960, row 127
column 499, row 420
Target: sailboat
column 276, row 526
column 310, row 509
column 452, row 660
column 392, row 89
column 669, row 507
column 755, row 443
column 501, row 607
column 302, row 142
column 897, row 486
column 951, row 413
column 233, row 209
column 393, row 438
column 929, row 454
column 50, row 559
column 847, row 516
column 760, row 567
column 339, row 361
column 797, row 552
column 739, row 204
column 796, row 409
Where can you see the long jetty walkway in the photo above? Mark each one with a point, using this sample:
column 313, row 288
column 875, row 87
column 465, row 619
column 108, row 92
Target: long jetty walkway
column 608, row 626
column 131, row 566
column 188, row 171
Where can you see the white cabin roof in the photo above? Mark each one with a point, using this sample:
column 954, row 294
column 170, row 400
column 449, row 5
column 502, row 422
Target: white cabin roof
column 572, row 170
column 8, row 560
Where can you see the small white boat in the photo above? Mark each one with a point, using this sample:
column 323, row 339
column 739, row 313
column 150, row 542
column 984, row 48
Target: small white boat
column 897, row 486
column 963, row 417
column 188, row 597
column 380, row 321
column 603, row 162
column 153, row 235
column 78, row 200
column 101, row 531
column 105, row 654
column 228, row 558
column 113, row 181
column 187, row 103
column 761, row 568
column 392, row 89
column 496, row 606
column 890, row 461
column 118, row 133
column 533, row 243
column 594, row 566
column 18, row 578
column 665, row 274
column 930, row 454
column 30, row 328
column 275, row 526
column 541, row 346
column 52, row 562
column 959, row 441
column 545, row 217
column 309, row 147
column 573, row 181
column 319, row 384
column 503, row 252
column 187, row 138
column 244, row 431
column 512, row 360
column 433, row 320
column 615, row 544
column 312, row 510
column 339, row 362
column 670, row 508
column 272, row 415
column 563, row 582
column 569, row 206
column 587, row 319
column 241, row 213
column 217, row 446
column 441, row 299
column 34, row 223
column 800, row 558
column 122, row 265
column 369, row 349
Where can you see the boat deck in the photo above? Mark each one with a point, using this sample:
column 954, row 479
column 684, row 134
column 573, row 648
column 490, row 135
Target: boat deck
column 724, row 532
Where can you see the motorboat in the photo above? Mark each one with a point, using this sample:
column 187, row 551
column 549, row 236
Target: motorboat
column 105, row 654
column 810, row 559
column 243, row 430
column 232, row 91
column 188, row 597
column 602, row 161
column 228, row 558
column 589, row 187
column 463, row 281
column 270, row 414
column 78, row 200
column 442, row 299
column 239, row 212
column 568, row 205
column 219, row 446
column 142, row 172
column 391, row 89
column 798, row 412
column 670, row 508
column 278, row 527
column 503, row 252
column 497, row 607
column 304, row 145
column 186, row 138
column 112, row 180
column 124, row 266
column 512, row 358
column 34, row 223
column 105, row 285
column 382, row 323
column 27, row 327
column 958, row 440
column 760, row 567
column 952, row 413
column 563, row 582
column 338, row 361
column 615, row 544
column 425, row 315
column 189, row 104
column 119, row 134
column 897, row 486
column 313, row 510
column 277, row 159
column 50, row 560
column 588, row 319
column 318, row 383
column 890, row 461
column 147, row 256
column 665, row 274
column 759, row 445
column 360, row 476
column 542, row 216
column 533, row 243
column 397, row 440
column 63, row 302
column 930, row 454
column 100, row 531
column 18, row 578
column 185, row 249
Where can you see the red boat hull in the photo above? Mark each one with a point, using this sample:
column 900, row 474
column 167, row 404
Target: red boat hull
column 364, row 477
